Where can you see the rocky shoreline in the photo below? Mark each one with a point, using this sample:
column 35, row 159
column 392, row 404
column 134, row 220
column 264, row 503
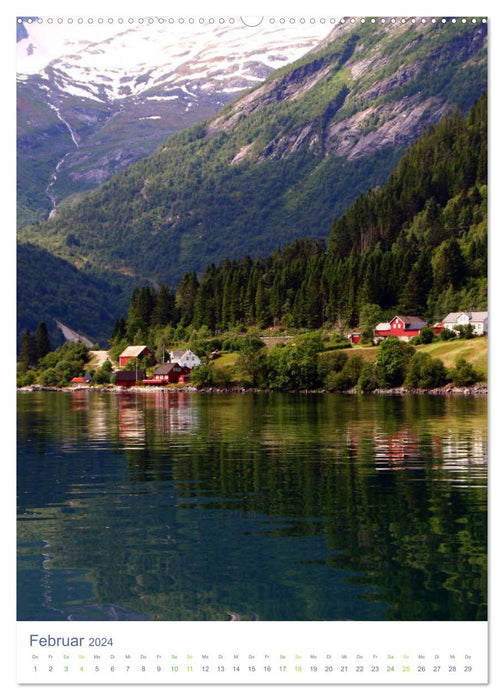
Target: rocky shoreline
column 479, row 389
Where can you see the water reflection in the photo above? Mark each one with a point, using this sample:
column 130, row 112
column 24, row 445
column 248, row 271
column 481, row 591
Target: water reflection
column 181, row 506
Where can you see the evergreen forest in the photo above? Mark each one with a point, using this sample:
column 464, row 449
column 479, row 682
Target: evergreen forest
column 417, row 245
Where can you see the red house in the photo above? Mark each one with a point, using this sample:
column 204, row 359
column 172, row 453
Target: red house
column 127, row 379
column 169, row 373
column 135, row 352
column 403, row 327
column 406, row 326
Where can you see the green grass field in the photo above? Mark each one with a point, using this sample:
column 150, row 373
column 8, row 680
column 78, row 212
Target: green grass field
column 474, row 351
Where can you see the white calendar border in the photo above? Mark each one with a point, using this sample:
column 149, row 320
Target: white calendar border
column 10, row 627
column 260, row 653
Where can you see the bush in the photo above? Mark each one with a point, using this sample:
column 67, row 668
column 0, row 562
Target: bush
column 426, row 335
column 332, row 361
column 465, row 332
column 353, row 368
column 26, row 378
column 310, row 343
column 392, row 362
column 202, row 376
column 293, row 368
column 209, row 375
column 250, row 344
column 204, row 348
column 424, row 372
column 447, row 334
column 50, row 377
column 464, row 374
column 367, row 335
column 252, row 361
column 367, row 379
column 102, row 374
column 222, row 377
column 337, row 381
column 68, row 352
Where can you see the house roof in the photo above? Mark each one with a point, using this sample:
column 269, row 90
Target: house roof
column 166, row 367
column 412, row 322
column 180, row 353
column 383, row 327
column 474, row 316
column 79, row 380
column 133, row 350
column 129, row 375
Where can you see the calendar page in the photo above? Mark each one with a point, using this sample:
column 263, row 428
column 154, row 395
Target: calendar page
column 252, row 347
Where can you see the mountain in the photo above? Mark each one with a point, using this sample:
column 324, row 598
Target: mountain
column 49, row 289
column 92, row 101
column 282, row 161
column 415, row 246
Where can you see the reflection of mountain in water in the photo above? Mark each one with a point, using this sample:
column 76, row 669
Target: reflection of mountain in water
column 280, row 507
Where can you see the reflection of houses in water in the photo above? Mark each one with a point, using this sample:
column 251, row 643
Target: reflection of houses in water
column 160, row 411
column 457, row 450
column 79, row 400
column 401, row 447
column 464, row 449
column 98, row 421
column 131, row 420
column 352, row 438
column 92, row 420
column 172, row 411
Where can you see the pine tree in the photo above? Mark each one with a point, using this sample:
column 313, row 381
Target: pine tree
column 261, row 304
column 185, row 297
column 42, row 344
column 27, row 353
column 448, row 266
column 163, row 312
column 118, row 331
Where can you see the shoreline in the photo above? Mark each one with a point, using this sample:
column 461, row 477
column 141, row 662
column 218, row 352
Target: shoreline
column 479, row 389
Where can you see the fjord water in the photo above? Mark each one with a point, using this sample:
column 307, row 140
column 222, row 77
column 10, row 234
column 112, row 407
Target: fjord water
column 180, row 506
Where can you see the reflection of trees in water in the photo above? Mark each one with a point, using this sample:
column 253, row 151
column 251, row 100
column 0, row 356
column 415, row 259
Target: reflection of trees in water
column 336, row 470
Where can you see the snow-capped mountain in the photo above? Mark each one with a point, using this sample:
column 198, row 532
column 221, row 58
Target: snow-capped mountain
column 281, row 162
column 115, row 61
column 94, row 97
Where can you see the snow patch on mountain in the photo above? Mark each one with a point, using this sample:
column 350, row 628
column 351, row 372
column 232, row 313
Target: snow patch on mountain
column 150, row 78
column 111, row 62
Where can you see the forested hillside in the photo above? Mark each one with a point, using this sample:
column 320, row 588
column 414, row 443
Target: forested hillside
column 277, row 165
column 417, row 245
column 280, row 162
column 49, row 288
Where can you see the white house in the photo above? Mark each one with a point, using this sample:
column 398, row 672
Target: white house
column 185, row 358
column 477, row 319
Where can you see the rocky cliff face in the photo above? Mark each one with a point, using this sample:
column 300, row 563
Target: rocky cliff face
column 379, row 95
